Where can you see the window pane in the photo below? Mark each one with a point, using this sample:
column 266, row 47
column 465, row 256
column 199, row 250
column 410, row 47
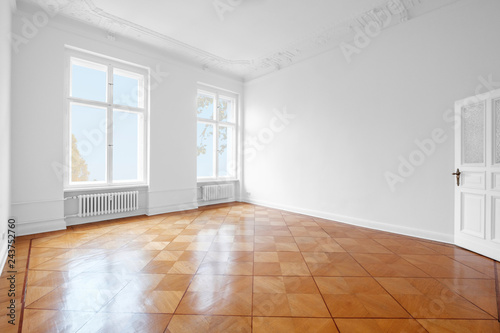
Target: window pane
column 473, row 133
column 88, row 144
column 496, row 129
column 128, row 88
column 205, row 144
column 205, row 106
column 225, row 150
column 88, row 80
column 226, row 109
column 127, row 138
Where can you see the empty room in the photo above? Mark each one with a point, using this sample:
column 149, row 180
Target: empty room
column 250, row 166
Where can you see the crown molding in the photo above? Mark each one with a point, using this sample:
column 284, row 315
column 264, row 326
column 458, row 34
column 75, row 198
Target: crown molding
column 13, row 5
column 325, row 38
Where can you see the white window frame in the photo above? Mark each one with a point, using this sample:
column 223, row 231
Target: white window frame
column 110, row 63
column 218, row 93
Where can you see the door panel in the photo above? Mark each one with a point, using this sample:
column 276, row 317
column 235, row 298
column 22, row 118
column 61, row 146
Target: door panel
column 473, row 214
column 495, row 181
column 477, row 155
column 473, row 180
column 495, row 214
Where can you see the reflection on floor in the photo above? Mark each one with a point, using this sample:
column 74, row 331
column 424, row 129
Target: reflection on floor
column 243, row 268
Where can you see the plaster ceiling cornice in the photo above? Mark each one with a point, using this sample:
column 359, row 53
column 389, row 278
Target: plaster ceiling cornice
column 326, row 37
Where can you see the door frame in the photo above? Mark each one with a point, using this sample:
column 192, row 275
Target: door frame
column 487, row 241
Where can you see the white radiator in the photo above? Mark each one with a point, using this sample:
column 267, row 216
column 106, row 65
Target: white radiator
column 107, row 203
column 216, row 192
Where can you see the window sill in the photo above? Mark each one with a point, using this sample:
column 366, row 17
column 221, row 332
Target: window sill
column 205, row 181
column 104, row 188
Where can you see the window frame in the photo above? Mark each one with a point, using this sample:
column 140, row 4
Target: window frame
column 215, row 121
column 73, row 55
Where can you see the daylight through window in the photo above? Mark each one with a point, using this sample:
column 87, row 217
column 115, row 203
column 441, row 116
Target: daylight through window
column 216, row 134
column 107, row 117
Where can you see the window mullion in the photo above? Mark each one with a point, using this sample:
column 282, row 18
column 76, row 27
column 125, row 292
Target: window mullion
column 87, row 102
column 207, row 121
column 109, row 126
column 69, row 159
column 216, row 134
column 216, row 107
column 128, row 108
column 216, row 151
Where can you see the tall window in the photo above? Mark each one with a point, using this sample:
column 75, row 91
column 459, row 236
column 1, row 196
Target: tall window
column 216, row 137
column 107, row 113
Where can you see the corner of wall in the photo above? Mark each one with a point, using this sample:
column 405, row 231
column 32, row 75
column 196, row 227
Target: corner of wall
column 5, row 83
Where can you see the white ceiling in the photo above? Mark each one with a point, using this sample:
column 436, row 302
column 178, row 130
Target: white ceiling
column 248, row 30
column 244, row 38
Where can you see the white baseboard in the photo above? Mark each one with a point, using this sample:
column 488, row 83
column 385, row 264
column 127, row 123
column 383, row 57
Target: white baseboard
column 33, row 217
column 171, row 208
column 401, row 230
column 36, row 227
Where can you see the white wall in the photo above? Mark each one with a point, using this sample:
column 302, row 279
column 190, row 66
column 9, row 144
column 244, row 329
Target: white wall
column 37, row 123
column 5, row 67
column 353, row 121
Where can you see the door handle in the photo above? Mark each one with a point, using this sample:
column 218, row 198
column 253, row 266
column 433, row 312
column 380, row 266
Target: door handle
column 457, row 174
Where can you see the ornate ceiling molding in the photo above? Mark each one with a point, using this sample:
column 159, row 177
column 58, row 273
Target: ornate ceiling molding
column 327, row 37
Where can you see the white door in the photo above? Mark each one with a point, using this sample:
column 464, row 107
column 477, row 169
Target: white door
column 477, row 157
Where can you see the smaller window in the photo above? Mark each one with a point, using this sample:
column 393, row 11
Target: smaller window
column 216, row 134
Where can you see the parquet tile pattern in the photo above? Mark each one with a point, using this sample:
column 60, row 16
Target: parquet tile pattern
column 244, row 268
